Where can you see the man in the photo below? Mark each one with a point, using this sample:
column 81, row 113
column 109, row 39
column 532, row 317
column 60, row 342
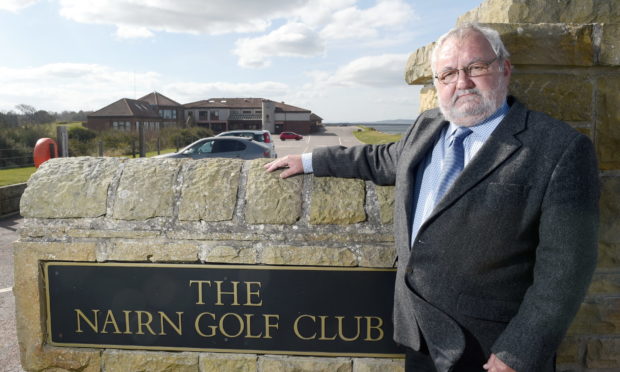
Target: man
column 496, row 217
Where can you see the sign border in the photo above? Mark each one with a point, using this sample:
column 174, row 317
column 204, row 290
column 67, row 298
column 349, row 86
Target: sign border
column 48, row 321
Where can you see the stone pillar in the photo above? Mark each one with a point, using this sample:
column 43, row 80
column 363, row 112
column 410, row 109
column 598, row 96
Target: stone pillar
column 566, row 59
column 180, row 211
column 268, row 115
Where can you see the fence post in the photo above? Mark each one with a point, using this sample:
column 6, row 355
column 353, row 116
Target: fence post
column 158, row 145
column 62, row 137
column 133, row 148
column 142, row 141
column 100, row 148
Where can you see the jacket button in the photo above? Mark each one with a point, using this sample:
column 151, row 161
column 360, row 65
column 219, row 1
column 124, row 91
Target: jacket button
column 409, row 270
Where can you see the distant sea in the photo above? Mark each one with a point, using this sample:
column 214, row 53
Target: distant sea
column 389, row 128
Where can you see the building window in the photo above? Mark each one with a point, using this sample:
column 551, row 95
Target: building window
column 202, row 115
column 215, row 115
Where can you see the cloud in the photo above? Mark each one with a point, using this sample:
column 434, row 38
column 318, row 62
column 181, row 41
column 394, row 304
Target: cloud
column 355, row 23
column 186, row 92
column 140, row 18
column 380, row 71
column 75, row 86
column 16, row 5
column 290, row 40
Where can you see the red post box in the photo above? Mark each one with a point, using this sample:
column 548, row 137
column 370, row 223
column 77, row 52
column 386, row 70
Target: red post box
column 44, row 149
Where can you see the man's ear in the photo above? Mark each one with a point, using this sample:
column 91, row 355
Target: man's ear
column 507, row 68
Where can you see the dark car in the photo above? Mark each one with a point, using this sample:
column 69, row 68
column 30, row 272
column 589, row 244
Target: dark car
column 223, row 147
column 262, row 136
column 290, row 135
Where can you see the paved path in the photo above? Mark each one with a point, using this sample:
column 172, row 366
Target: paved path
column 9, row 350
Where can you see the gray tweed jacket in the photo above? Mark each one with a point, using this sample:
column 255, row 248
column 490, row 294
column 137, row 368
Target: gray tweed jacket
column 508, row 253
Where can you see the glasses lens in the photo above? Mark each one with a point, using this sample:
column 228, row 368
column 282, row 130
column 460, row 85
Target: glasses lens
column 477, row 69
column 449, row 76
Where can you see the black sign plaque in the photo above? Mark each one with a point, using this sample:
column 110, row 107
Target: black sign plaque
column 226, row 308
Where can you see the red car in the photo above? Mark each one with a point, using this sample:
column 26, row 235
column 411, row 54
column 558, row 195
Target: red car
column 290, row 135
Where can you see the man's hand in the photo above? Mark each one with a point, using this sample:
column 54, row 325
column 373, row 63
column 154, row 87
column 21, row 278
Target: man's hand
column 291, row 162
column 496, row 365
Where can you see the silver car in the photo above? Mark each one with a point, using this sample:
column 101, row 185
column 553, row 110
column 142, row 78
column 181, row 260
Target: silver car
column 223, row 147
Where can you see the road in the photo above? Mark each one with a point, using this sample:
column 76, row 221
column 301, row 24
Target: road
column 9, row 350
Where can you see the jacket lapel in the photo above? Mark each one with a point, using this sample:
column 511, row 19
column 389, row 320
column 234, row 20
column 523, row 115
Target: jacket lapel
column 494, row 152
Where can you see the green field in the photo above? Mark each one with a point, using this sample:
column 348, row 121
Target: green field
column 15, row 175
column 374, row 137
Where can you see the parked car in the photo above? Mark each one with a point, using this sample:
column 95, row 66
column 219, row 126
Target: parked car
column 290, row 135
column 223, row 147
column 263, row 136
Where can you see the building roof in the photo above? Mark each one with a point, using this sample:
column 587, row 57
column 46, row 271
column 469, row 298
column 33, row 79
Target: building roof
column 239, row 103
column 126, row 107
column 315, row 117
column 158, row 99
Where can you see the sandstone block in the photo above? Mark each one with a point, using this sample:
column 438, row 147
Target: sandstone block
column 604, row 283
column 64, row 188
column 29, row 305
column 385, row 198
column 378, row 365
column 122, row 361
column 304, row 364
column 337, row 201
column 418, row 69
column 608, row 255
column 428, row 98
column 62, row 359
column 378, row 255
column 607, row 122
column 209, row 190
column 548, row 44
column 604, row 353
column 221, row 253
column 565, row 97
column 610, row 45
column 146, row 189
column 542, row 11
column 569, row 351
column 307, row 255
column 149, row 250
column 600, row 316
column 228, row 362
column 270, row 199
column 609, row 232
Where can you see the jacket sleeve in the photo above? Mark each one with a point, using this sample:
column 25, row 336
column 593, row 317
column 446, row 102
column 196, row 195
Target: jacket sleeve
column 565, row 261
column 377, row 163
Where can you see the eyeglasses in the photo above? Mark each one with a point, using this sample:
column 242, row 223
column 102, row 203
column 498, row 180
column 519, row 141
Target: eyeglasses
column 472, row 70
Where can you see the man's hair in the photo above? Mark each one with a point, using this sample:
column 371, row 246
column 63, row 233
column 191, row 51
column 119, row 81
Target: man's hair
column 460, row 32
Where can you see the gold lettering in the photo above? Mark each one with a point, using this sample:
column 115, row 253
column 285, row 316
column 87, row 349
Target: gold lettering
column 127, row 323
column 340, row 327
column 323, row 337
column 268, row 324
column 197, row 325
column 146, row 324
column 370, row 327
column 200, row 283
column 109, row 319
column 220, row 292
column 250, row 293
column 80, row 314
column 248, row 333
column 177, row 327
column 239, row 319
column 296, row 327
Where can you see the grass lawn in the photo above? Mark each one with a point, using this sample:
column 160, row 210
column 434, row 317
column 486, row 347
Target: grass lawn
column 374, row 137
column 15, row 175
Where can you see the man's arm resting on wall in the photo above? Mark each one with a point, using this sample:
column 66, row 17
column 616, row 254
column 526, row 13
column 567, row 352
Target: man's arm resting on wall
column 565, row 261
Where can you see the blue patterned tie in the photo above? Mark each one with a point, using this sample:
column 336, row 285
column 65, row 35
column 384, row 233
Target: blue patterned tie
column 453, row 162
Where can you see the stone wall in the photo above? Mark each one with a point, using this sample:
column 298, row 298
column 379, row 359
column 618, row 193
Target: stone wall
column 186, row 211
column 9, row 198
column 566, row 57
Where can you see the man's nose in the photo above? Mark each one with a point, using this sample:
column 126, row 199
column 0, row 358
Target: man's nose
column 463, row 81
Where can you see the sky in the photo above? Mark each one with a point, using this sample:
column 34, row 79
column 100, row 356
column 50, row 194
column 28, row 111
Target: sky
column 342, row 59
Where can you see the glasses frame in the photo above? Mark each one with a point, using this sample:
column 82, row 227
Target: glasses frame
column 466, row 70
